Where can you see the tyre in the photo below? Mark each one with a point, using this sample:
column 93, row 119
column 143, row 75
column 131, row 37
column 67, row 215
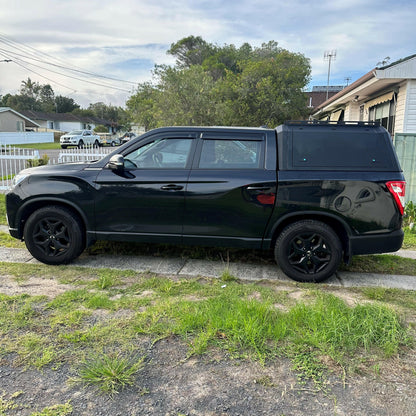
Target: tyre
column 63, row 147
column 80, row 144
column 308, row 251
column 54, row 235
column 113, row 143
column 96, row 144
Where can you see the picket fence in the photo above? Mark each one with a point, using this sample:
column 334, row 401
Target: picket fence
column 13, row 160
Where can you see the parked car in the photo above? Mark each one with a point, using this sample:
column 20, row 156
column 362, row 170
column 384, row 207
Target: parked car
column 314, row 193
column 127, row 137
column 79, row 138
column 109, row 140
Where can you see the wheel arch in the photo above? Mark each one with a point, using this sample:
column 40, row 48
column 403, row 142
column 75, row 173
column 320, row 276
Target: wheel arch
column 34, row 204
column 341, row 228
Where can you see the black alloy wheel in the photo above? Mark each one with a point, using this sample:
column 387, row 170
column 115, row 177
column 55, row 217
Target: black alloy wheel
column 53, row 235
column 308, row 251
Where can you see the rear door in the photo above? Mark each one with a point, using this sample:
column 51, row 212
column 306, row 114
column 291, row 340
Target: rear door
column 230, row 194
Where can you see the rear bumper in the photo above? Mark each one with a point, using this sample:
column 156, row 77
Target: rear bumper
column 380, row 243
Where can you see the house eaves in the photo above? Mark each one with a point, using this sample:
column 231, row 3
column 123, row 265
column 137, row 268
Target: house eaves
column 344, row 95
column 371, row 84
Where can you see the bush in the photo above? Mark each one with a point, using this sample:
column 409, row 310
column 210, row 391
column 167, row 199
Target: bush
column 100, row 129
column 31, row 163
column 410, row 216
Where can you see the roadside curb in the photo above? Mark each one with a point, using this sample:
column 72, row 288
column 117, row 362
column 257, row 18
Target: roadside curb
column 214, row 269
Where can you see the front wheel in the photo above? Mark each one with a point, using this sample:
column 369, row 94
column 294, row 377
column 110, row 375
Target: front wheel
column 81, row 144
column 308, row 251
column 54, row 235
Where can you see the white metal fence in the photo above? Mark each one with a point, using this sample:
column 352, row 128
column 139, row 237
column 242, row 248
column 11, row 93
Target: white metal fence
column 83, row 155
column 13, row 159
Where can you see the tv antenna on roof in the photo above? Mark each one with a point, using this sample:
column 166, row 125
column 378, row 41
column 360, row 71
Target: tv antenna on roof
column 329, row 56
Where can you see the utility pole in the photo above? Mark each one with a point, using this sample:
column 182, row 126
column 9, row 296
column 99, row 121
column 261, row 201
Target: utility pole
column 347, row 79
column 329, row 56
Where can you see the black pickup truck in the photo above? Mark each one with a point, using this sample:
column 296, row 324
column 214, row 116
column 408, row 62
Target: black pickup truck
column 314, row 192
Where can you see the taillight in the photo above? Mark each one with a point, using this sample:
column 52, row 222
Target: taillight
column 398, row 190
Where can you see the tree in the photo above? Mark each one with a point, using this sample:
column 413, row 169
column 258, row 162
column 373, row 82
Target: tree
column 268, row 91
column 142, row 106
column 192, row 50
column 30, row 89
column 65, row 104
column 223, row 85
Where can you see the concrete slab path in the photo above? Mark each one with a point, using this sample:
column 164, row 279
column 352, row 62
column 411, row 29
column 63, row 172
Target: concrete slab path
column 208, row 268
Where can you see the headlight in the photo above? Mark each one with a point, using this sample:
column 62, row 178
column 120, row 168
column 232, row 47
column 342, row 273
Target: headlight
column 18, row 178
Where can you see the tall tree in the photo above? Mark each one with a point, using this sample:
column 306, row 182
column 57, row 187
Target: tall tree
column 223, row 85
column 65, row 104
column 192, row 50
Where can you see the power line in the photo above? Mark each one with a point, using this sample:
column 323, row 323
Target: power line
column 31, row 56
column 37, row 73
column 67, row 68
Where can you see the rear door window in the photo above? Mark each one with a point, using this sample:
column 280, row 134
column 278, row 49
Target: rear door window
column 231, row 154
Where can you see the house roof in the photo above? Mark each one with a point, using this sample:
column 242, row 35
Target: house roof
column 29, row 122
column 373, row 82
column 39, row 115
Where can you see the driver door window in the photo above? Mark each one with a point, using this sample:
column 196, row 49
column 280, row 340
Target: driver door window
column 160, row 154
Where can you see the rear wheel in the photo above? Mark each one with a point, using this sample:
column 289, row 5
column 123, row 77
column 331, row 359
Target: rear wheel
column 96, row 144
column 308, row 251
column 80, row 144
column 54, row 235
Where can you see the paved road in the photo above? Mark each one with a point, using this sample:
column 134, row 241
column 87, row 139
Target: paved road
column 244, row 271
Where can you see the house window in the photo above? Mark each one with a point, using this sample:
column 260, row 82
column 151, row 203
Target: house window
column 385, row 114
column 361, row 113
column 20, row 126
column 50, row 125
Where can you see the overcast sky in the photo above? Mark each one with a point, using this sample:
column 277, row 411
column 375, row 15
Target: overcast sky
column 124, row 39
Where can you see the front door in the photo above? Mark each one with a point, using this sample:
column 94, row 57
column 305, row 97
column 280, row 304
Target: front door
column 146, row 201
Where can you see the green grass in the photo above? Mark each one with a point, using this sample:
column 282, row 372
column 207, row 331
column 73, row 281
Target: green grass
column 97, row 328
column 3, row 220
column 383, row 264
column 409, row 242
column 109, row 373
column 39, row 146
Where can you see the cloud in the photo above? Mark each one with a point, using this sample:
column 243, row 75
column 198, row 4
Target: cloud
column 124, row 39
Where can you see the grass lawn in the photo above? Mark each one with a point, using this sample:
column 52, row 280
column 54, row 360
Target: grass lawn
column 39, row 146
column 247, row 321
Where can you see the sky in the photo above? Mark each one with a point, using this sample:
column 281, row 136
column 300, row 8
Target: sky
column 122, row 40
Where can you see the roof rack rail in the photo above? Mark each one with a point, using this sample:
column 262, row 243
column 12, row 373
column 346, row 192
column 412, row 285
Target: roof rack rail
column 332, row 123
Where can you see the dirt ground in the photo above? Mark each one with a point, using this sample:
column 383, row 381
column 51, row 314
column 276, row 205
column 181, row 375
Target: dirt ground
column 213, row 384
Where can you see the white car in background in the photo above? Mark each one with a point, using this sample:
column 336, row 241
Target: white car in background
column 79, row 138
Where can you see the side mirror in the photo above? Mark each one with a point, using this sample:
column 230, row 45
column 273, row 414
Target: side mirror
column 116, row 163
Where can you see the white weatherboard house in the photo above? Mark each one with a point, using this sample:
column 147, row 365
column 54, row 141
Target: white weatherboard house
column 14, row 126
column 387, row 95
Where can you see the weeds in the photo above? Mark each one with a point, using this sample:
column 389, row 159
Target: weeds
column 56, row 410
column 109, row 373
column 107, row 322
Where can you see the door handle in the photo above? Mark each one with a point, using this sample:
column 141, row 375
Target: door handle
column 171, row 187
